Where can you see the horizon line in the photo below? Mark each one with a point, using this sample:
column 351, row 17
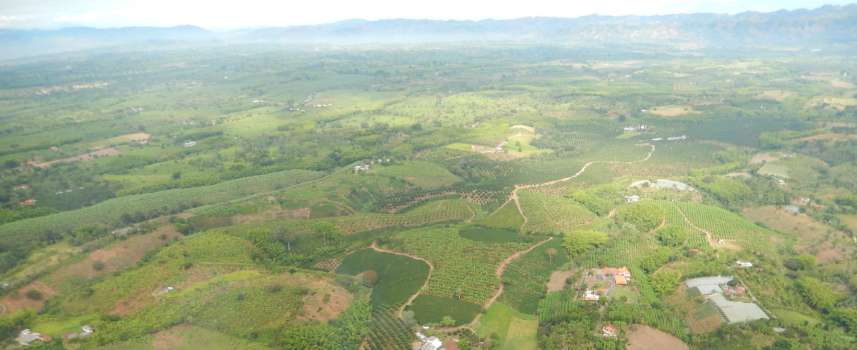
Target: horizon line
column 358, row 19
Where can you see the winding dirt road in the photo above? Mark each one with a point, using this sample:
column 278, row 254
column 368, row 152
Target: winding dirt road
column 513, row 197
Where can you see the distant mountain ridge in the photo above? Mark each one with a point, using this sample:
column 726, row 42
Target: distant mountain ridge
column 822, row 26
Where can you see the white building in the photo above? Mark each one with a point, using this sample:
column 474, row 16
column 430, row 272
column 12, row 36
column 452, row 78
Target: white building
column 744, row 264
column 428, row 343
column 591, row 295
column 632, row 198
column 189, row 143
column 27, row 337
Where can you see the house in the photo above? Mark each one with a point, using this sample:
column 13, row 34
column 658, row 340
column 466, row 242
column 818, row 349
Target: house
column 85, row 331
column 591, row 295
column 632, row 198
column 189, row 143
column 744, row 264
column 22, row 187
column 708, row 285
column 641, row 127
column 361, row 168
column 609, row 331
column 801, row 201
column 658, row 139
column 715, row 289
column 27, row 337
column 428, row 343
column 619, row 274
column 677, row 138
column 28, row 202
column 792, row 209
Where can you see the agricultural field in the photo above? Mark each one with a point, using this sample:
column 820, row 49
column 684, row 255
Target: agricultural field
column 273, row 197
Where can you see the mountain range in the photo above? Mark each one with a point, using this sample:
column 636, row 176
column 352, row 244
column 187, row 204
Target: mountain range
column 825, row 26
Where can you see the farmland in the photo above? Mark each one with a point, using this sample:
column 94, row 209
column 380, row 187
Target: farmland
column 268, row 197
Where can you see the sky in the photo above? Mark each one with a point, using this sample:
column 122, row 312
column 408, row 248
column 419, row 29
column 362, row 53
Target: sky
column 225, row 15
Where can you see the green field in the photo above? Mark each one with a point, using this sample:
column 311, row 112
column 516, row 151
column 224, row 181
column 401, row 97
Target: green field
column 399, row 277
column 433, row 309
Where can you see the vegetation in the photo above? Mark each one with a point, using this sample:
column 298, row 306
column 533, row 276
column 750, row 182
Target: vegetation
column 232, row 198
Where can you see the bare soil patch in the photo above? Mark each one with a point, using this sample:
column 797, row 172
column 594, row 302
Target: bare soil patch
column 104, row 152
column 645, row 338
column 672, row 110
column 170, row 338
column 829, row 137
column 776, row 95
column 557, row 280
column 19, row 301
column 814, row 237
column 273, row 214
column 765, row 157
column 525, row 128
column 326, row 302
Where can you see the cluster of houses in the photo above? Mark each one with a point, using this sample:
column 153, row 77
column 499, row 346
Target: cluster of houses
column 27, row 337
column 663, row 184
column 641, row 127
column 600, row 282
column 671, row 138
column 365, row 166
column 716, row 289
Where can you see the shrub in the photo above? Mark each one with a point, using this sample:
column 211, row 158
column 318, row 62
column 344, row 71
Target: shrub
column 33, row 294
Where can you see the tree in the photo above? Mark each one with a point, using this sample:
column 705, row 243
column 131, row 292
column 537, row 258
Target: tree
column 672, row 236
column 578, row 242
column 664, row 282
column 551, row 252
column 98, row 265
column 817, row 293
column 447, row 321
column 645, row 216
column 33, row 294
column 370, row 277
column 655, row 259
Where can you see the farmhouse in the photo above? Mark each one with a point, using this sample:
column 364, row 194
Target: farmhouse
column 28, row 202
column 641, row 127
column 85, row 331
column 663, row 184
column 27, row 337
column 428, row 343
column 620, row 276
column 609, row 331
column 677, row 138
column 792, row 209
column 189, row 143
column 744, row 264
column 361, row 168
column 714, row 289
column 632, row 198
column 591, row 295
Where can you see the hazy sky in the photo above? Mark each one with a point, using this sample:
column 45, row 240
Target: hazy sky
column 220, row 14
